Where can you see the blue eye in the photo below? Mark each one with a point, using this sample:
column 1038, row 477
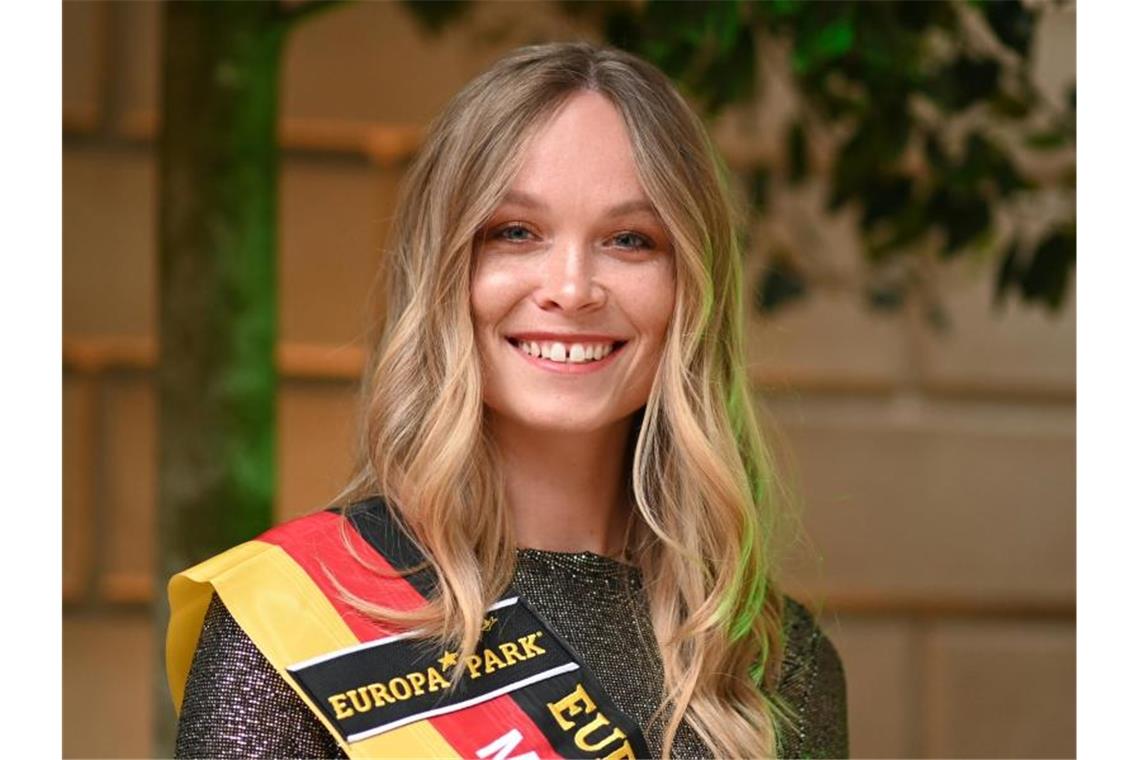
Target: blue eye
column 514, row 233
column 632, row 240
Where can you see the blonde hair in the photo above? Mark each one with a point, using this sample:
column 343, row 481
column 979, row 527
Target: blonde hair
column 701, row 476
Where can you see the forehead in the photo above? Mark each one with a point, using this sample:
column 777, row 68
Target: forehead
column 582, row 153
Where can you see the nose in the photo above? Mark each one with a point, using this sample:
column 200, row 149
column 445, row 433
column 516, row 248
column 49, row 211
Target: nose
column 568, row 281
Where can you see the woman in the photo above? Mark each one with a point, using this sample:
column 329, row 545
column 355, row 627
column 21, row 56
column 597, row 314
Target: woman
column 562, row 491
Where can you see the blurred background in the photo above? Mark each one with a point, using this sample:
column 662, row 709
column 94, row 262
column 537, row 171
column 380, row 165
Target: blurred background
column 914, row 347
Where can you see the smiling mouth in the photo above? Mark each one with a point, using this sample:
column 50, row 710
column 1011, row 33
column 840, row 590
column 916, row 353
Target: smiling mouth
column 567, row 353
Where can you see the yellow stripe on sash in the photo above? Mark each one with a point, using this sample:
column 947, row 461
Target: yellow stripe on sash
column 289, row 619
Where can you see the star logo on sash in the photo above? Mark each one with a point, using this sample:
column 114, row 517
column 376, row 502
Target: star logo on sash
column 448, row 660
column 488, row 622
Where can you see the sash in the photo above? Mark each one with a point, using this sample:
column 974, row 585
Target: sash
column 525, row 694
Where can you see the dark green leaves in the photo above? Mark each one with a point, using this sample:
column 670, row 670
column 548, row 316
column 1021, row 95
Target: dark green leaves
column 1047, row 275
column 963, row 82
column 781, row 283
column 832, row 41
column 886, row 296
column 796, row 147
column 434, row 15
column 886, row 85
column 1012, row 23
column 709, row 48
column 759, row 182
column 887, row 195
column 963, row 217
column 871, row 149
column 1044, row 277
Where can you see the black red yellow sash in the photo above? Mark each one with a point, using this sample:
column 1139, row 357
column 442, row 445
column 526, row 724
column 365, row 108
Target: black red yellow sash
column 381, row 692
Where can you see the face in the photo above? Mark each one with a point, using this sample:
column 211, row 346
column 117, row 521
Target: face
column 573, row 284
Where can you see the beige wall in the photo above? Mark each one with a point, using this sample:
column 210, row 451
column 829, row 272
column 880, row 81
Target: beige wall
column 937, row 470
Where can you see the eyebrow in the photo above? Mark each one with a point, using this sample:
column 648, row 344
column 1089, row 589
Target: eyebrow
column 521, row 198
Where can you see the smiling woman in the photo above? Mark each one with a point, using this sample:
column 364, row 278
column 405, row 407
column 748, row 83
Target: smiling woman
column 559, row 541
column 571, row 297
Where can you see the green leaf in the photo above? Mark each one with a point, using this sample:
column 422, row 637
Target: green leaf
column 621, row 27
column 779, row 285
column 723, row 21
column 1048, row 139
column 963, row 216
column 759, row 184
column 1012, row 23
column 986, row 165
column 834, row 40
column 885, row 197
column 936, row 157
column 887, row 297
column 1009, row 272
column 796, row 146
column 784, row 7
column 1047, row 276
column 731, row 76
column 920, row 16
column 876, row 142
column 1009, row 106
column 434, row 15
column 963, row 82
column 817, row 48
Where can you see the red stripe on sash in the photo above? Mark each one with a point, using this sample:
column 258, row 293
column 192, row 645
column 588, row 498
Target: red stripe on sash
column 471, row 730
column 316, row 543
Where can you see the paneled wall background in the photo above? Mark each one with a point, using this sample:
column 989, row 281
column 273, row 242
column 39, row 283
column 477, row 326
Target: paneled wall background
column 937, row 471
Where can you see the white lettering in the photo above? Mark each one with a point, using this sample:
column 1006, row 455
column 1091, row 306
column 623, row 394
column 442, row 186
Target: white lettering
column 501, row 748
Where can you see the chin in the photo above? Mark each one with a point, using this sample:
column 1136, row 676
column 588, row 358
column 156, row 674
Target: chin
column 561, row 423
column 557, row 420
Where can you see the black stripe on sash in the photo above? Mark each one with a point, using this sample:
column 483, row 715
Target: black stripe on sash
column 385, row 532
column 378, row 686
column 575, row 712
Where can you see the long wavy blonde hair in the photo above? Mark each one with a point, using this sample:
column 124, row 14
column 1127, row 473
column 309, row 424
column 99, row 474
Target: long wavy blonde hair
column 701, row 477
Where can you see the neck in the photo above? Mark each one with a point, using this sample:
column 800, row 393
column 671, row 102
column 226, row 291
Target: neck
column 565, row 491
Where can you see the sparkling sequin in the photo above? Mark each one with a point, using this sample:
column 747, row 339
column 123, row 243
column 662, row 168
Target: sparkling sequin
column 599, row 606
column 237, row 706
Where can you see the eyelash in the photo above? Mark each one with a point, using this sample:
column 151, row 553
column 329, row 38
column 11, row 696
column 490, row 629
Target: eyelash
column 646, row 244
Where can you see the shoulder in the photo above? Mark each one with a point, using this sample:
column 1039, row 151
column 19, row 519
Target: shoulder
column 807, row 647
column 813, row 684
column 236, row 705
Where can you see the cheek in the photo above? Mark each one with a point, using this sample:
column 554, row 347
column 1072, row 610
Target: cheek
column 493, row 292
column 655, row 301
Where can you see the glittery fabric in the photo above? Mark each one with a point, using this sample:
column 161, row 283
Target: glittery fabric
column 812, row 681
column 236, row 705
column 599, row 606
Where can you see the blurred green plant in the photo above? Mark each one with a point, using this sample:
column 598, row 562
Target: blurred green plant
column 922, row 117
column 217, row 264
column 880, row 85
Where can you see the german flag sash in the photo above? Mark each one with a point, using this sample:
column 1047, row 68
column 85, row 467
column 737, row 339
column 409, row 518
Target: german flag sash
column 380, row 692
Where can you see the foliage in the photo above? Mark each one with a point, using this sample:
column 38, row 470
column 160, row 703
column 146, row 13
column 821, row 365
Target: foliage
column 879, row 83
column 922, row 117
column 435, row 15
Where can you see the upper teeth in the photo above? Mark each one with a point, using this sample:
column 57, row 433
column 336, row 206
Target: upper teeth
column 575, row 353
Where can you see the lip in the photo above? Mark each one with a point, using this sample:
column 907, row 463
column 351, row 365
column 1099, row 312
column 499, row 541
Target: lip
column 566, row 368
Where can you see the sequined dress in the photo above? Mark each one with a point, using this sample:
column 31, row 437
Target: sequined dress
column 237, row 706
